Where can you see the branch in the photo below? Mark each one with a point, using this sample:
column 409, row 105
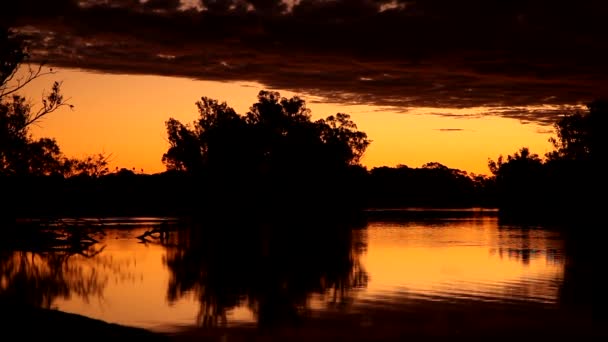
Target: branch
column 50, row 103
column 6, row 81
column 22, row 82
column 89, row 255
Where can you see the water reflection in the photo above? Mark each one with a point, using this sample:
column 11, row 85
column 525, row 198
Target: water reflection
column 424, row 269
column 38, row 266
column 273, row 269
column 526, row 243
column 40, row 279
column 465, row 258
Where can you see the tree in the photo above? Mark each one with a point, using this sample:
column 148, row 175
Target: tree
column 580, row 135
column 346, row 142
column 520, row 181
column 20, row 153
column 576, row 166
column 277, row 134
column 569, row 181
column 274, row 156
column 522, row 160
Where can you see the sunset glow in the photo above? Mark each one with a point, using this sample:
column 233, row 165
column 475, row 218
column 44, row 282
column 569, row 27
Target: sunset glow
column 124, row 116
column 303, row 170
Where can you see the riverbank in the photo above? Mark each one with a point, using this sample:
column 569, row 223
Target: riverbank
column 420, row 321
column 25, row 323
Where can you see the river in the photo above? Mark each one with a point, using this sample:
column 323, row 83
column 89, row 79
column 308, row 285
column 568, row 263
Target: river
column 450, row 270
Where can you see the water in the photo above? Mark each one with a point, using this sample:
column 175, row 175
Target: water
column 434, row 268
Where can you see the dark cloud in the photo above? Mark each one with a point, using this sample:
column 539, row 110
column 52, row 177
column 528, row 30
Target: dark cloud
column 528, row 60
column 450, row 129
column 167, row 5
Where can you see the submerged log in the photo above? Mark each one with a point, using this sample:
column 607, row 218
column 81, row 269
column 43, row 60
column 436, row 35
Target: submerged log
column 160, row 232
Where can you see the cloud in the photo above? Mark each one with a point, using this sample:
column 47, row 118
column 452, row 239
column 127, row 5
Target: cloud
column 450, row 129
column 518, row 58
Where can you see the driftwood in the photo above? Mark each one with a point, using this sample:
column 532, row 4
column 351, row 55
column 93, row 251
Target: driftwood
column 160, row 233
column 69, row 236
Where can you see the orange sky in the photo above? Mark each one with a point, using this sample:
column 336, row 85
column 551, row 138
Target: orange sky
column 124, row 115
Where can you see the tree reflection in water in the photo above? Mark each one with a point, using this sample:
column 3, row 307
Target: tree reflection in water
column 38, row 279
column 39, row 265
column 272, row 268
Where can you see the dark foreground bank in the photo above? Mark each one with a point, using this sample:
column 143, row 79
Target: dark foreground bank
column 24, row 323
column 420, row 323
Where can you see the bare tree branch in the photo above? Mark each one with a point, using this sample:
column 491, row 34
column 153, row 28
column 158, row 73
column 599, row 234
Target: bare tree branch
column 50, row 103
column 32, row 74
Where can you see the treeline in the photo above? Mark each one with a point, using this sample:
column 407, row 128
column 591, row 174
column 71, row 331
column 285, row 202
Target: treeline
column 213, row 168
column 432, row 185
column 175, row 193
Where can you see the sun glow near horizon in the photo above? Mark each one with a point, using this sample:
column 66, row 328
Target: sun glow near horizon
column 124, row 116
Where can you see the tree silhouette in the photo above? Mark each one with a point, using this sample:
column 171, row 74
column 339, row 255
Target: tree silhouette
column 576, row 166
column 432, row 185
column 20, row 153
column 520, row 181
column 568, row 183
column 275, row 150
column 580, row 135
column 522, row 161
column 275, row 132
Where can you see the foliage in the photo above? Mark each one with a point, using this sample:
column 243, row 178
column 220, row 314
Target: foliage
column 20, row 153
column 567, row 183
column 579, row 135
column 277, row 135
column 522, row 161
column 432, row 185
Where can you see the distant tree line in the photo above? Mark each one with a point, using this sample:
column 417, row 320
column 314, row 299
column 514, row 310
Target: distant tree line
column 432, row 185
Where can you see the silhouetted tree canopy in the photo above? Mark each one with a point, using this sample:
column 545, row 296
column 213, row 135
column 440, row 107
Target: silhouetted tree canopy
column 276, row 134
column 275, row 149
column 581, row 136
column 432, row 185
column 568, row 183
column 522, row 161
column 520, row 179
column 20, row 153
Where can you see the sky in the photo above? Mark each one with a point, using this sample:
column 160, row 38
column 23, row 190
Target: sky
column 454, row 82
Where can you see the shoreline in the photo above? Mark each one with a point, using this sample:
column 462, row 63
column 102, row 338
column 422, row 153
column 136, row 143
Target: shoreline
column 421, row 321
column 23, row 322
